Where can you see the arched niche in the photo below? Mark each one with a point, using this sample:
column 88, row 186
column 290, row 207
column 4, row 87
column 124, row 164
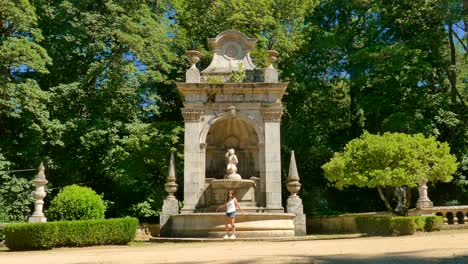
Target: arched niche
column 232, row 131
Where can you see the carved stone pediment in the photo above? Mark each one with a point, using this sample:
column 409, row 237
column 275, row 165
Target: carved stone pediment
column 231, row 48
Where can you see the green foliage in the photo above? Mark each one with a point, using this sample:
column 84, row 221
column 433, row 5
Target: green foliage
column 214, row 79
column 240, row 75
column 145, row 212
column 70, row 233
column 391, row 159
column 377, row 225
column 15, row 196
column 433, row 223
column 76, row 203
column 405, row 225
column 276, row 24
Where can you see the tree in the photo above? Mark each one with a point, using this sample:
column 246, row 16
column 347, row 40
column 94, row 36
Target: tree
column 391, row 159
column 111, row 61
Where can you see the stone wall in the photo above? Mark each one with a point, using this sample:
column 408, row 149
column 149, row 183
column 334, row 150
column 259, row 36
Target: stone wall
column 345, row 223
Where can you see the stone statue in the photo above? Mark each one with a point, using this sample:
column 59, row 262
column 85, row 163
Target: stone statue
column 231, row 167
column 400, row 193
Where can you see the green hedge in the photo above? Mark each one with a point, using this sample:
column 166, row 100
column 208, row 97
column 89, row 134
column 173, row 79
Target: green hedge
column 379, row 225
column 374, row 225
column 27, row 236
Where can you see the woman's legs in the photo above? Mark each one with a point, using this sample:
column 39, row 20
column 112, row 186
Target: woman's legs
column 226, row 225
column 233, row 226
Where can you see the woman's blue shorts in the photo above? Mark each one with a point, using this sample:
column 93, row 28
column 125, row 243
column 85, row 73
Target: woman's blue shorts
column 231, row 214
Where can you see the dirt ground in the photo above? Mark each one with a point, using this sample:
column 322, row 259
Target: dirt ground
column 447, row 247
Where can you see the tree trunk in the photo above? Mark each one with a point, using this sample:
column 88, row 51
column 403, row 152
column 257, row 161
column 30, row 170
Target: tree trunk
column 384, row 199
column 453, row 60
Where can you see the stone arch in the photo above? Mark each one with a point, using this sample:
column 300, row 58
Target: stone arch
column 255, row 125
column 232, row 130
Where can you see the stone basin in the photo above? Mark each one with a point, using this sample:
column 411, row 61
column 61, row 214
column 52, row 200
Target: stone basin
column 229, row 183
column 247, row 225
column 217, row 189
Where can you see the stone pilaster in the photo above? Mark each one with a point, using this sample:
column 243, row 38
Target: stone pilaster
column 272, row 118
column 39, row 195
column 423, row 200
column 193, row 183
column 170, row 204
column 294, row 203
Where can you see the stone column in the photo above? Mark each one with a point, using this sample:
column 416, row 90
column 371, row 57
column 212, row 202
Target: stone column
column 39, row 194
column 272, row 118
column 423, row 200
column 294, row 203
column 171, row 204
column 192, row 179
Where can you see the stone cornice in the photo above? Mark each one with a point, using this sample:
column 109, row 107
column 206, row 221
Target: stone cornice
column 234, row 88
column 192, row 114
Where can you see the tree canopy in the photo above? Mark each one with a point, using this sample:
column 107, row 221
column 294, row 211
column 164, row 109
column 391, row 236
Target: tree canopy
column 391, row 159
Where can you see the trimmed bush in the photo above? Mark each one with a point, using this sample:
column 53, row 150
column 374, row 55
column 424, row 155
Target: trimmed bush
column 76, row 203
column 405, row 225
column 374, row 225
column 378, row 225
column 82, row 233
column 433, row 223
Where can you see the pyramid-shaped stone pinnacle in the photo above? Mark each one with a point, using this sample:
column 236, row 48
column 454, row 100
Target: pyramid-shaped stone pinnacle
column 171, row 176
column 293, row 175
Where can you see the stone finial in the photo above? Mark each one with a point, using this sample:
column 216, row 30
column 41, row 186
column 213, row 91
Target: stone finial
column 39, row 195
column 270, row 73
column 272, row 56
column 171, row 185
column 193, row 56
column 193, row 74
column 293, row 184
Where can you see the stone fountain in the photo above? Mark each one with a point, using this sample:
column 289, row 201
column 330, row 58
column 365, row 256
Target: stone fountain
column 232, row 107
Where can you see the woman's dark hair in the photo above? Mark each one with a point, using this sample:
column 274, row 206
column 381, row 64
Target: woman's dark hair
column 227, row 195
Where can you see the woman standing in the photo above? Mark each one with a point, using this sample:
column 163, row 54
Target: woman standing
column 230, row 204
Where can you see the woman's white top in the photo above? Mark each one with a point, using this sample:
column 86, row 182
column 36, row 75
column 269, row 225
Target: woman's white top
column 231, row 206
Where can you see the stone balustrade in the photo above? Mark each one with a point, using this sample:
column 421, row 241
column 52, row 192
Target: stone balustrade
column 453, row 215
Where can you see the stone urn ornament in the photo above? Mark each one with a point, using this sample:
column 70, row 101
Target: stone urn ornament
column 272, row 56
column 193, row 56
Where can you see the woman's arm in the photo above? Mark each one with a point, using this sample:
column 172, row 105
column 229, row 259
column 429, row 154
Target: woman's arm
column 238, row 206
column 221, row 206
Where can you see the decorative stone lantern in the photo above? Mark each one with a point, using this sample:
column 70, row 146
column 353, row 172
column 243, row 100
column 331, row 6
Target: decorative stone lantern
column 39, row 194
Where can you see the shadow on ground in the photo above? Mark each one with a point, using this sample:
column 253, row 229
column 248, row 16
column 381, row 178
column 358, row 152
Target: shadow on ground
column 389, row 258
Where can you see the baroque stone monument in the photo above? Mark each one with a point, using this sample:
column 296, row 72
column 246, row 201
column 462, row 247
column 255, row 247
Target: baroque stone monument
column 232, row 113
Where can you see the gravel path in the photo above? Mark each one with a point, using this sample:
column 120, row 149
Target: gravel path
column 447, row 247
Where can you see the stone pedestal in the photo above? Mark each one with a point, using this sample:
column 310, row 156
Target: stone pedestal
column 423, row 200
column 271, row 75
column 294, row 206
column 192, row 75
column 169, row 209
